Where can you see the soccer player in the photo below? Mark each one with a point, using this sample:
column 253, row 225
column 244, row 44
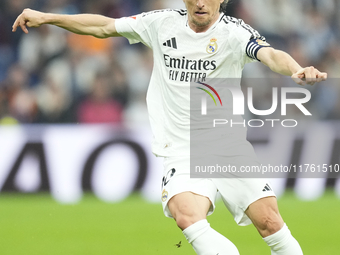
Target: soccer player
column 195, row 44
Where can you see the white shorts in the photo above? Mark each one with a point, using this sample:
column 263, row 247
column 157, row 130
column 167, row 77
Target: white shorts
column 237, row 193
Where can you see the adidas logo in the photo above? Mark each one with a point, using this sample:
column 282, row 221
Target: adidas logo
column 267, row 188
column 171, row 43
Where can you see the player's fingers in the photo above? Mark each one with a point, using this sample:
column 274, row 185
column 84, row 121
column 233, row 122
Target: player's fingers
column 300, row 81
column 23, row 26
column 16, row 23
column 298, row 77
column 318, row 79
column 307, row 73
column 322, row 75
column 300, row 72
column 310, row 74
column 20, row 21
column 317, row 73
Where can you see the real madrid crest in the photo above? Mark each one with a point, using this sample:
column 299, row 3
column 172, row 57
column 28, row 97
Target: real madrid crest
column 212, row 46
column 164, row 195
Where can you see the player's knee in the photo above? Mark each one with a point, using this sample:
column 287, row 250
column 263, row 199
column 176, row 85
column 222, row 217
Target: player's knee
column 185, row 221
column 269, row 224
column 186, row 216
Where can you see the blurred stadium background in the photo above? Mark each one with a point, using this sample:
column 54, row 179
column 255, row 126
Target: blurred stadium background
column 76, row 172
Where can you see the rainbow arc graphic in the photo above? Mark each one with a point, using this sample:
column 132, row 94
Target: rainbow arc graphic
column 209, row 93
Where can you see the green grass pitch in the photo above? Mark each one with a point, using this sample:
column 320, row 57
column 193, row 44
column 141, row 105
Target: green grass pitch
column 37, row 225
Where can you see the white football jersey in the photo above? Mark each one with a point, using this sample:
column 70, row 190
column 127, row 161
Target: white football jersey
column 182, row 56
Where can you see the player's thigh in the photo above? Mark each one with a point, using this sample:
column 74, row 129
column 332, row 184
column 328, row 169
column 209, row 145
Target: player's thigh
column 239, row 193
column 185, row 195
column 188, row 208
column 189, row 203
column 265, row 215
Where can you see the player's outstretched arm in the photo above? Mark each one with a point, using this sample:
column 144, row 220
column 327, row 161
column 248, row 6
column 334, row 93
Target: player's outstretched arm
column 281, row 62
column 84, row 24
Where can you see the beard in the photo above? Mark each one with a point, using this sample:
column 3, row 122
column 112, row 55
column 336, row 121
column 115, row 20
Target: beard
column 202, row 23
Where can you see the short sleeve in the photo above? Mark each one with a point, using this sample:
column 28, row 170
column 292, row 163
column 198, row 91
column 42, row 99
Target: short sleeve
column 249, row 40
column 140, row 28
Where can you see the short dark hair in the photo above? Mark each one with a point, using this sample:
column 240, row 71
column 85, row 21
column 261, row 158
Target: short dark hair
column 223, row 6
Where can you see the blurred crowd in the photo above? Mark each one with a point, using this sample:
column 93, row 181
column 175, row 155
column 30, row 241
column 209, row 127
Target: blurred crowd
column 53, row 76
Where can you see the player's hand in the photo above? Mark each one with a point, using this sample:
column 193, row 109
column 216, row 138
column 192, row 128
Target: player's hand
column 28, row 18
column 309, row 75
